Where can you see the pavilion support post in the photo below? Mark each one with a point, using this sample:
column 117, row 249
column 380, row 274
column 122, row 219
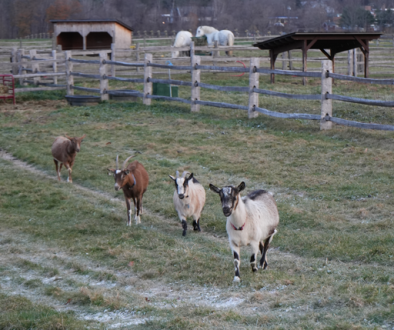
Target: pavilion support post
column 148, row 87
column 272, row 62
column 355, row 62
column 366, row 63
column 304, row 60
column 253, row 83
column 326, row 88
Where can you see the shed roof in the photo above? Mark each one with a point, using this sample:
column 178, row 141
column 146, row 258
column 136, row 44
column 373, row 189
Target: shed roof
column 335, row 41
column 92, row 21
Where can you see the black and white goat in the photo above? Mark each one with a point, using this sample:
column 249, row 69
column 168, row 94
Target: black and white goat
column 189, row 199
column 251, row 220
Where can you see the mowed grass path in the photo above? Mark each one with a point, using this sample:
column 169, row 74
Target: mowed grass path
column 334, row 250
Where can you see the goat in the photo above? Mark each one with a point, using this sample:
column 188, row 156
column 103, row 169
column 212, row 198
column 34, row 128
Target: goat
column 251, row 220
column 189, row 199
column 133, row 180
column 64, row 150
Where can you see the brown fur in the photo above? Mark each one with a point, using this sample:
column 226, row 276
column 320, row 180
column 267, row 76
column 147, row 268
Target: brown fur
column 124, row 180
column 64, row 151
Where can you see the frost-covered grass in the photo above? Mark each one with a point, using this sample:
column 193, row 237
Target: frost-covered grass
column 334, row 252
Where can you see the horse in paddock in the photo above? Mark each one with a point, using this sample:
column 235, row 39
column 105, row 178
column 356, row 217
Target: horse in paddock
column 182, row 39
column 224, row 37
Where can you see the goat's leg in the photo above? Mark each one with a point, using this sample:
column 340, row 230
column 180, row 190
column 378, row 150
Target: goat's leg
column 128, row 211
column 264, row 248
column 237, row 263
column 196, row 225
column 253, row 258
column 137, row 212
column 69, row 179
column 184, row 226
column 57, row 169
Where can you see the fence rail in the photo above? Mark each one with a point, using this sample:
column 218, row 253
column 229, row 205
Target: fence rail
column 195, row 68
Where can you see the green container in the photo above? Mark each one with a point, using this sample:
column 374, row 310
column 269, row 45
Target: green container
column 164, row 90
column 201, row 41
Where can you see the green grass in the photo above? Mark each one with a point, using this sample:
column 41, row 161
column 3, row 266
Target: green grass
column 334, row 192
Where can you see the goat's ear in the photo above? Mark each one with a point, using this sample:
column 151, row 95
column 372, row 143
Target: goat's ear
column 68, row 137
column 126, row 172
column 82, row 137
column 213, row 188
column 172, row 177
column 241, row 186
column 110, row 171
column 190, row 177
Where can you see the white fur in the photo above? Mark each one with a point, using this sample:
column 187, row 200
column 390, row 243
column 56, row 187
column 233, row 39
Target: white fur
column 182, row 39
column 224, row 37
column 192, row 204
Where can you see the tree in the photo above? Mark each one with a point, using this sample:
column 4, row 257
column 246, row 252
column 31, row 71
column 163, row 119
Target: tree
column 384, row 18
column 63, row 9
column 353, row 18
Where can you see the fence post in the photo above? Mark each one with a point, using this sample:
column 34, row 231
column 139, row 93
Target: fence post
column 283, row 61
column 253, row 83
column 147, row 79
column 191, row 51
column 69, row 76
column 35, row 67
column 216, row 53
column 326, row 87
column 22, row 66
column 14, row 59
column 103, row 76
column 137, row 56
column 196, row 74
column 113, row 66
column 54, row 65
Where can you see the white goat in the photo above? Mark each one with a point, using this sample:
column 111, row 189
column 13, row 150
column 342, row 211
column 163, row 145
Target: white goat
column 189, row 199
column 251, row 220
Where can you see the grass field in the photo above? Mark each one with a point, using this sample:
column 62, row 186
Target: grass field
column 67, row 259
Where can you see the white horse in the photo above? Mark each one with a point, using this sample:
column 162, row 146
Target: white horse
column 182, row 39
column 224, row 37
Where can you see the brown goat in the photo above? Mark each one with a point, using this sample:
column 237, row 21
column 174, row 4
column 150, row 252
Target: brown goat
column 64, row 150
column 133, row 180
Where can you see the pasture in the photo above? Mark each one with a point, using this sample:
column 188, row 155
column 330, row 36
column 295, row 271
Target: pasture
column 67, row 259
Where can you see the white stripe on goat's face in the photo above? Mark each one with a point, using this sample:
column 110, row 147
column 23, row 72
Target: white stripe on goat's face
column 119, row 177
column 182, row 186
column 228, row 197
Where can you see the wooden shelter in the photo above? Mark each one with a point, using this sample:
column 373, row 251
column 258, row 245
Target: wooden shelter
column 91, row 34
column 329, row 43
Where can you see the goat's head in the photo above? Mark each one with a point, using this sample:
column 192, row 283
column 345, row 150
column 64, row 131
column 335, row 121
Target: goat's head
column 123, row 176
column 182, row 184
column 76, row 142
column 229, row 197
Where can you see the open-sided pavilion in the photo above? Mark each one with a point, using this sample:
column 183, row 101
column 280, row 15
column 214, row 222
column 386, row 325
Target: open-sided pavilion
column 329, row 43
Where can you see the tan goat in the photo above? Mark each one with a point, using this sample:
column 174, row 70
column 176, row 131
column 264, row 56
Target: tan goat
column 189, row 199
column 64, row 150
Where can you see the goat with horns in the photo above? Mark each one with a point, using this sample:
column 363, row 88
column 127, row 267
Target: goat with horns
column 133, row 180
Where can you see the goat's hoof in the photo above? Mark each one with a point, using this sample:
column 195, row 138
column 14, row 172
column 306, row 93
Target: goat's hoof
column 184, row 233
column 236, row 279
column 255, row 269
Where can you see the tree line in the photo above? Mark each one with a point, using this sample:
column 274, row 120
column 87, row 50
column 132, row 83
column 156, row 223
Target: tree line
column 19, row 18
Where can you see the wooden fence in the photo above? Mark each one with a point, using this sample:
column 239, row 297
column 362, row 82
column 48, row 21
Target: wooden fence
column 195, row 68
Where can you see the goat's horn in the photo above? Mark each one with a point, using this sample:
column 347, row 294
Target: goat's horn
column 125, row 162
column 117, row 162
column 177, row 174
column 184, row 173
